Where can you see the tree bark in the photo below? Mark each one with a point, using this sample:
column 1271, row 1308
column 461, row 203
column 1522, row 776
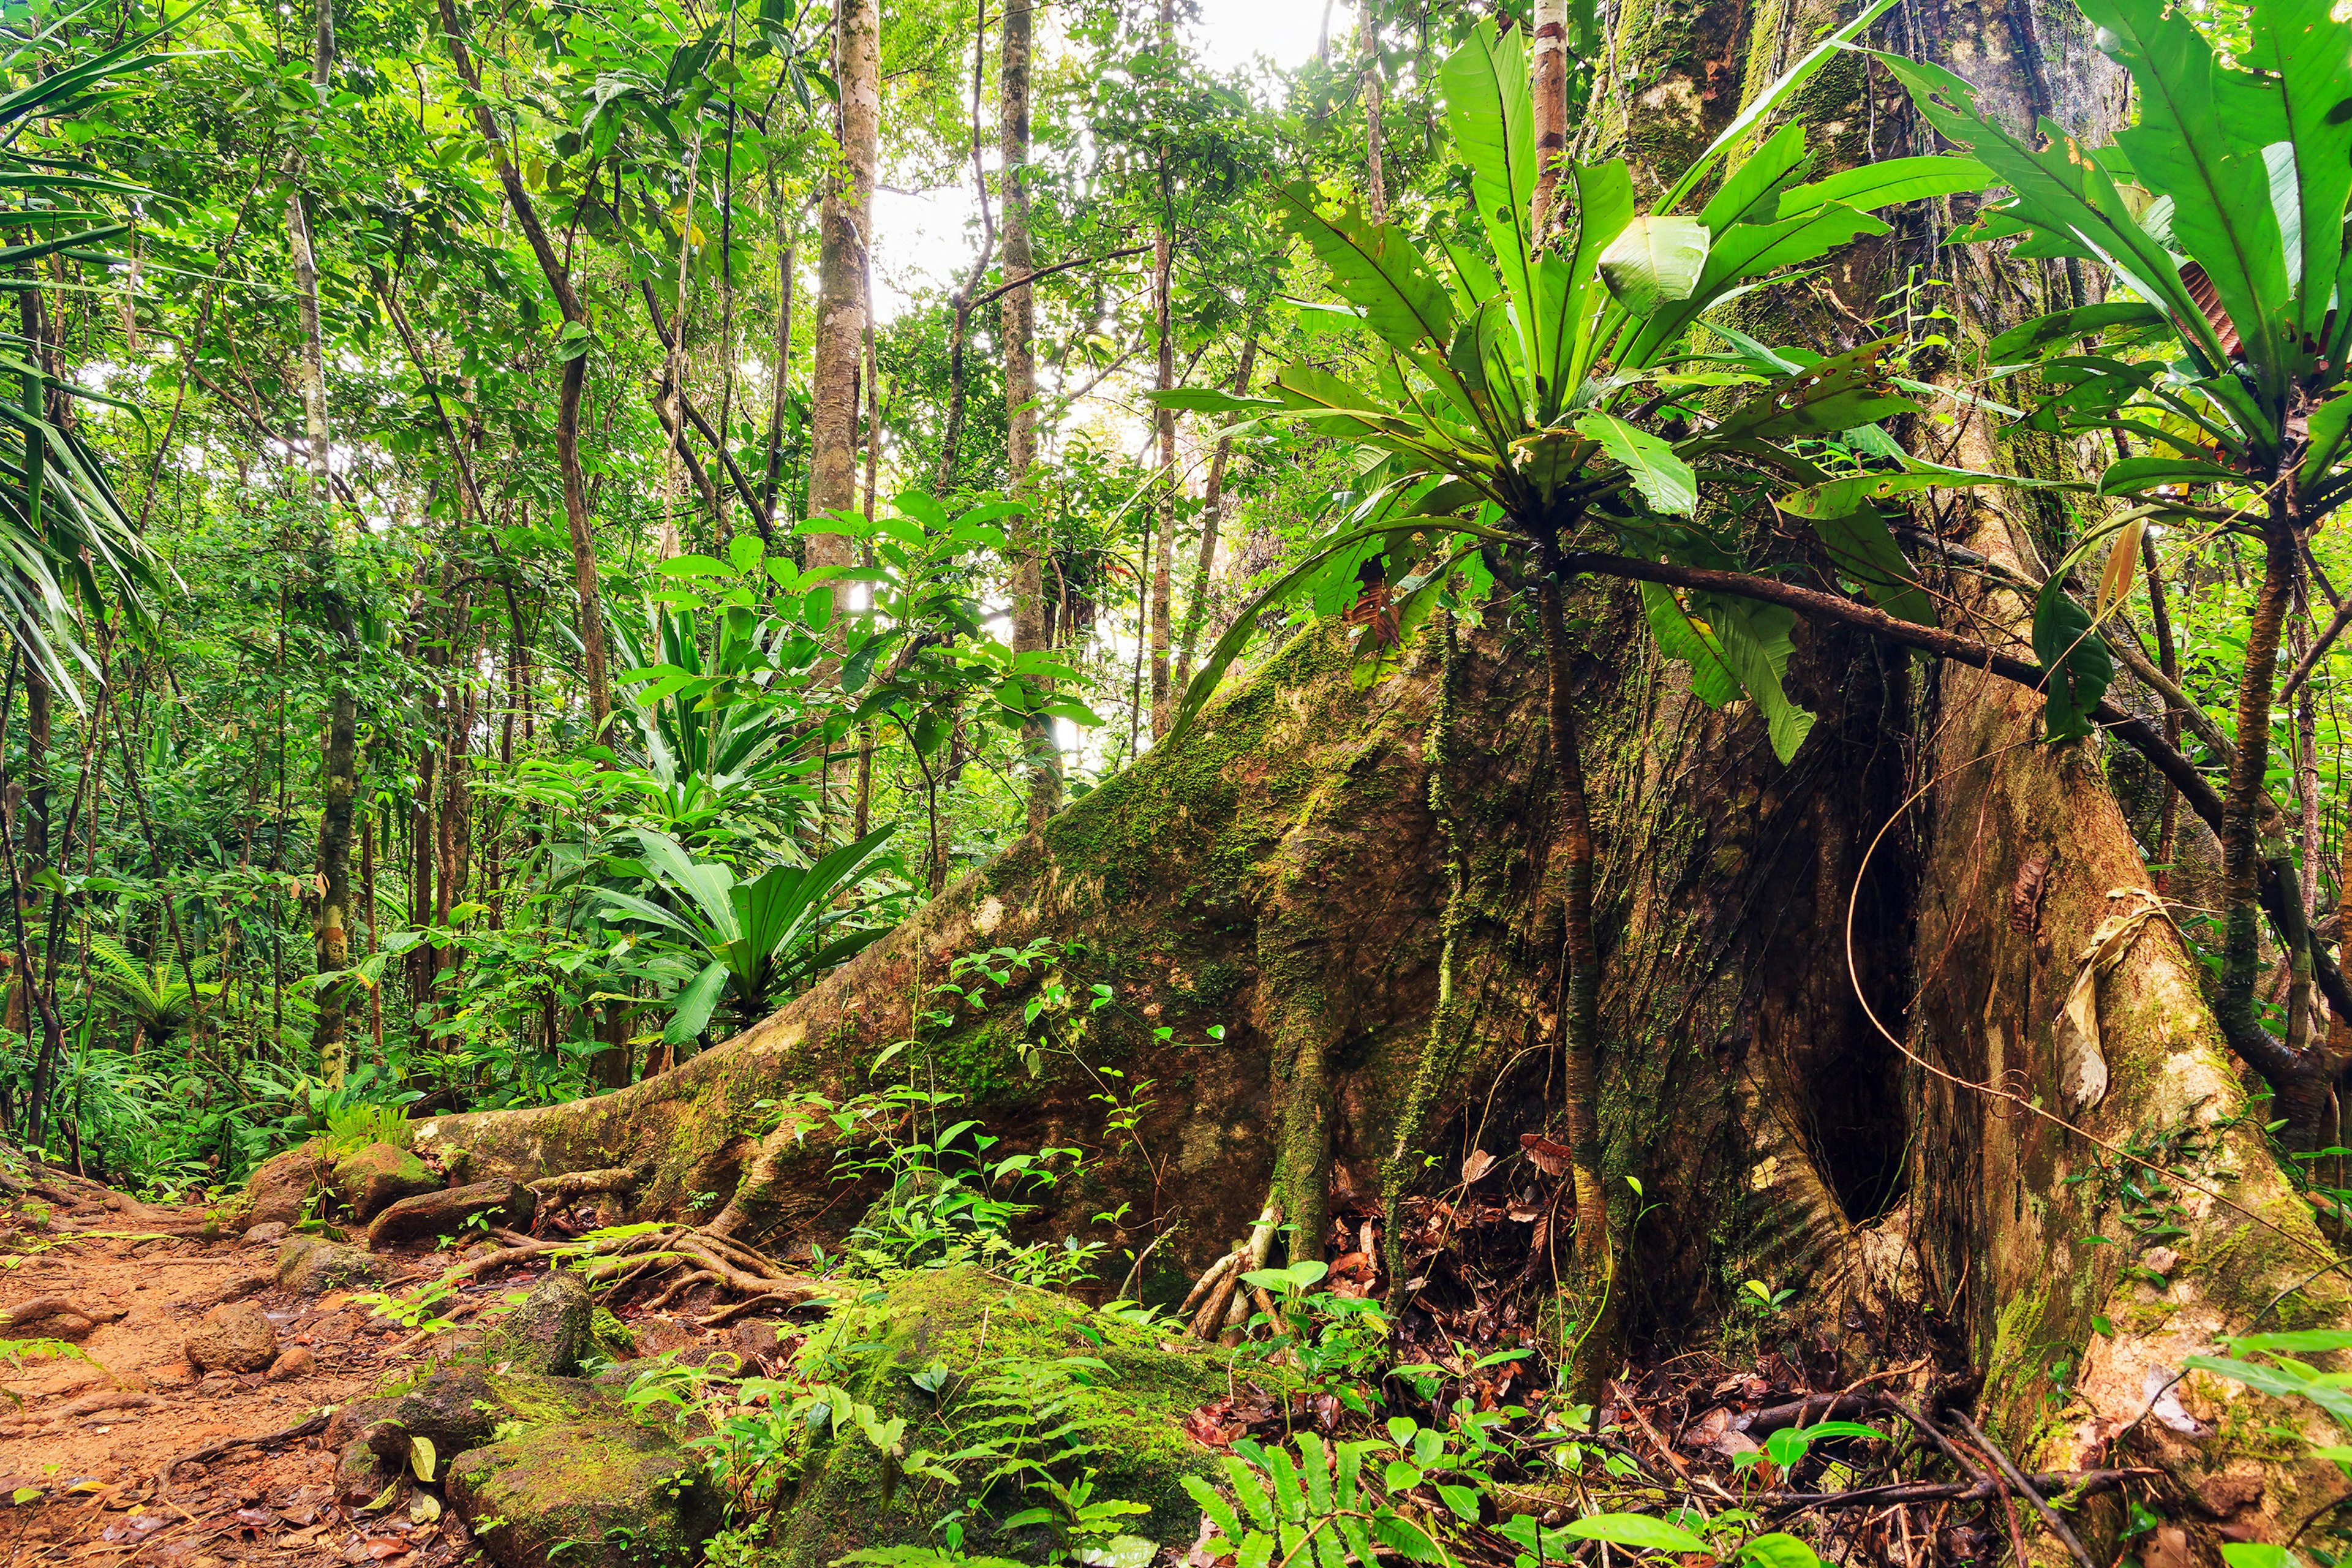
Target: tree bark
column 572, row 388
column 1164, row 555
column 1213, row 518
column 844, row 233
column 1016, row 328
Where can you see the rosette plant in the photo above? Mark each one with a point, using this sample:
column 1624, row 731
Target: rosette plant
column 1517, row 423
column 2214, row 369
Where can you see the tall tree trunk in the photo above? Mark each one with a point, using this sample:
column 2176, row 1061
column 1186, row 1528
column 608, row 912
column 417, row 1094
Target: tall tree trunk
column 337, row 780
column 1368, row 39
column 574, row 343
column 842, row 307
column 779, row 387
column 1164, row 555
column 1016, row 331
column 1213, row 518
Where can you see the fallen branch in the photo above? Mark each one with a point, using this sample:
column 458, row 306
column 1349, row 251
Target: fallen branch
column 303, row 1428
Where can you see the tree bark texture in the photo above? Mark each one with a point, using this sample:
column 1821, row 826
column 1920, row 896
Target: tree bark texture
column 1017, row 330
column 841, row 304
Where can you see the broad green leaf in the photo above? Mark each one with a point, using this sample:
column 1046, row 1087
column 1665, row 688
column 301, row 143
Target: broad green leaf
column 1604, row 205
column 1748, row 252
column 2181, row 147
column 2074, row 663
column 691, row 1014
column 1830, row 396
column 1654, row 260
column 1692, row 642
column 2294, row 1341
column 1208, row 400
column 1755, row 638
column 2326, row 431
column 2059, row 192
column 1779, row 1551
column 2279, row 1383
column 1665, row 482
column 1888, row 183
column 1638, row 1529
column 1489, row 110
column 1376, row 268
column 1742, row 197
column 2134, row 475
column 2306, row 50
column 2031, row 340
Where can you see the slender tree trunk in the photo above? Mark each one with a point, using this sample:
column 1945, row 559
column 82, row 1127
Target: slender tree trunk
column 594, row 666
column 842, row 306
column 1163, row 557
column 1016, row 327
column 1213, row 518
column 338, row 781
column 960, row 304
column 779, row 387
column 1547, row 73
column 2167, row 658
column 1376, row 190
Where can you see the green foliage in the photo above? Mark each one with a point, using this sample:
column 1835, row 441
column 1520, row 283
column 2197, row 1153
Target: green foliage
column 1513, row 380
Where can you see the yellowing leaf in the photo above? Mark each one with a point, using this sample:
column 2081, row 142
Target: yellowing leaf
column 1655, row 259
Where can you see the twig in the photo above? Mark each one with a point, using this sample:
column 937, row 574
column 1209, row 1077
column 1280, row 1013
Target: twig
column 303, row 1428
column 2017, row 1478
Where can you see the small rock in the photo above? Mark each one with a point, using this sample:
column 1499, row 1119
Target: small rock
column 217, row 1385
column 2160, row 1259
column 294, row 1361
column 374, row 1178
column 310, row 1265
column 549, row 1331
column 607, row 1494
column 235, row 1337
column 281, row 1185
column 429, row 1216
column 264, row 1234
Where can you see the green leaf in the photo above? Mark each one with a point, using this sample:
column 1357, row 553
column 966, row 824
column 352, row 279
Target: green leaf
column 691, row 1012
column 1207, row 400
column 1890, row 182
column 2134, row 475
column 1666, row 483
column 1748, row 193
column 2254, row 1554
column 1654, row 260
column 1634, row 1529
column 1490, row 113
column 1756, row 645
column 2325, row 430
column 2059, row 194
column 1375, row 268
column 2279, row 1383
column 2031, row 340
column 421, row 1458
column 2074, row 663
column 1681, row 637
column 2182, row 147
column 1779, row 1551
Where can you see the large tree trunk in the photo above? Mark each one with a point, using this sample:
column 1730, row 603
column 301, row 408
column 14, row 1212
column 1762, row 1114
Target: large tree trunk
column 1828, row 992
column 1016, row 322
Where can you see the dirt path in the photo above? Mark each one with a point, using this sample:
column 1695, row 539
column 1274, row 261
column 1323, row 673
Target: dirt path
column 80, row 1455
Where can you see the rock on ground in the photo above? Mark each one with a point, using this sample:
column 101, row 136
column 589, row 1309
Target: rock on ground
column 374, row 1178
column 310, row 1265
column 235, row 1337
column 603, row 1494
column 549, row 1331
column 282, row 1184
column 426, row 1217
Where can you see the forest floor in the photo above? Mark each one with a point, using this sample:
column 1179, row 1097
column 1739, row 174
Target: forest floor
column 86, row 1444
column 89, row 1439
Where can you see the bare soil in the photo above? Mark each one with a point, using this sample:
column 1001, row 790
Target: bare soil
column 84, row 1448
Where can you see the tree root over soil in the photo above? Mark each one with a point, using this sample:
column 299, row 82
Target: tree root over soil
column 676, row 1258
column 303, row 1428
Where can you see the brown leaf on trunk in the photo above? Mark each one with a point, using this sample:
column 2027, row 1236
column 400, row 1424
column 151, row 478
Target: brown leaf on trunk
column 1550, row 1158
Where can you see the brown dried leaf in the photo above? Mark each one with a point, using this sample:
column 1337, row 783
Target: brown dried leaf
column 1477, row 1164
column 1550, row 1158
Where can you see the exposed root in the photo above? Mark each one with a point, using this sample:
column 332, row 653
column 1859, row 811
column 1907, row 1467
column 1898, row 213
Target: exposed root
column 61, row 1318
column 574, row 1184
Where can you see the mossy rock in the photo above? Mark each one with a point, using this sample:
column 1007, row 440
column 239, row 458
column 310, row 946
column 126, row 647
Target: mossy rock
column 374, row 1178
column 281, row 1185
column 603, row 1494
column 1132, row 1409
column 311, row 1266
column 547, row 1332
column 609, row 1339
